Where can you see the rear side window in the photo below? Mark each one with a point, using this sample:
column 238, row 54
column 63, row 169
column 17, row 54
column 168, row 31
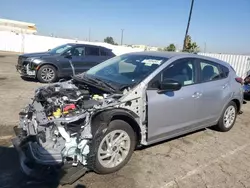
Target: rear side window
column 92, row 51
column 209, row 71
column 104, row 52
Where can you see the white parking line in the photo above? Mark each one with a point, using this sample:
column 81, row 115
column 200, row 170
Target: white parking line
column 6, row 137
column 202, row 167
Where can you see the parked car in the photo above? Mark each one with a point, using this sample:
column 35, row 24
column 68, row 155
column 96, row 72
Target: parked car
column 62, row 61
column 246, row 87
column 96, row 120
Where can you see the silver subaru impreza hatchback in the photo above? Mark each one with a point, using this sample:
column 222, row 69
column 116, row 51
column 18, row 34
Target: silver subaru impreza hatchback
column 98, row 118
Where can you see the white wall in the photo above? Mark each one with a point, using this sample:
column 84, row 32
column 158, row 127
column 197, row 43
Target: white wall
column 240, row 63
column 26, row 43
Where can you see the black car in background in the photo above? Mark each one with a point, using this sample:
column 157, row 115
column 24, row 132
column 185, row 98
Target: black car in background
column 62, row 61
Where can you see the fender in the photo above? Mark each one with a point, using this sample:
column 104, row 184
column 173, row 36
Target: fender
column 100, row 121
column 46, row 63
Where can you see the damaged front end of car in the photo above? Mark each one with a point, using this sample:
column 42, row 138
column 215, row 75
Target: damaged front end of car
column 55, row 128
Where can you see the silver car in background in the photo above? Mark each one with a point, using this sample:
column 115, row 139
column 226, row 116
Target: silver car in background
column 97, row 119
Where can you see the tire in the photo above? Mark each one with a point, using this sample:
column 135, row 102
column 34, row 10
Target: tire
column 47, row 69
column 95, row 163
column 224, row 126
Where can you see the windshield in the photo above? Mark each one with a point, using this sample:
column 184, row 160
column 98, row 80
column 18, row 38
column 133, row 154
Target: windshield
column 60, row 49
column 127, row 69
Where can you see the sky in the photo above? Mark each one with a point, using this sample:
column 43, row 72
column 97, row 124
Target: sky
column 221, row 26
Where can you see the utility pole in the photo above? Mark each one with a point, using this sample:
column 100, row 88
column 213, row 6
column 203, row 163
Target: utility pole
column 122, row 36
column 205, row 47
column 189, row 18
column 89, row 34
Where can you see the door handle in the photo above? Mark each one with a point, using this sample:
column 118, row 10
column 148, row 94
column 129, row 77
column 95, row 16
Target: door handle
column 197, row 94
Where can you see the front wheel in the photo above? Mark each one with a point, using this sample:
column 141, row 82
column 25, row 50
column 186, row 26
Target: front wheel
column 228, row 117
column 112, row 150
column 47, row 74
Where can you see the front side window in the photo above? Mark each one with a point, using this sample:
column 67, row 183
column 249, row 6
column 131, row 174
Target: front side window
column 77, row 51
column 209, row 71
column 60, row 49
column 182, row 70
column 91, row 51
column 126, row 69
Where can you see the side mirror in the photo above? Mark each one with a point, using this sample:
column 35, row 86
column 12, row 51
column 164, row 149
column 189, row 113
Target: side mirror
column 68, row 55
column 169, row 85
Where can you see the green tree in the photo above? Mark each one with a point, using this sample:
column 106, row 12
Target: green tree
column 190, row 46
column 110, row 40
column 171, row 48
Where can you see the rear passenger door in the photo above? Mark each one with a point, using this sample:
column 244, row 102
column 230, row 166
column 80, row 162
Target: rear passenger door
column 213, row 90
column 92, row 57
column 77, row 55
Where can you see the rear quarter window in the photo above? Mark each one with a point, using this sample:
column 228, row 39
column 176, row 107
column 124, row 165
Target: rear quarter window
column 225, row 71
column 233, row 69
column 106, row 52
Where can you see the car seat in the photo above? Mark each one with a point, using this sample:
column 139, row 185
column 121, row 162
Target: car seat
column 208, row 73
column 76, row 52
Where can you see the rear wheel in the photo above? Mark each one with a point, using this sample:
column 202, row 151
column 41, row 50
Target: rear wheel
column 47, row 74
column 228, row 117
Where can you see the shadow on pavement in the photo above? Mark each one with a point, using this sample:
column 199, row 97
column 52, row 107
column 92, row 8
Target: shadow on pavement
column 28, row 79
column 11, row 175
column 247, row 98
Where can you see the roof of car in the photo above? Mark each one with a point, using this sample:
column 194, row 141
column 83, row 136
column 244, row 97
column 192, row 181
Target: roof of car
column 160, row 54
column 80, row 44
column 179, row 54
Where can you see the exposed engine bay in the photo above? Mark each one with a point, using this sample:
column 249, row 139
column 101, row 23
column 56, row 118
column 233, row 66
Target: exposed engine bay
column 58, row 122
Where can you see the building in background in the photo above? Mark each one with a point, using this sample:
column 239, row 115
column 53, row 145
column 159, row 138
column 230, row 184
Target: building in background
column 17, row 26
column 145, row 47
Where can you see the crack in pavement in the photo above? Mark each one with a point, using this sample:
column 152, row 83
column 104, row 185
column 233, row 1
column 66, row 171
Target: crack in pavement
column 202, row 167
column 223, row 170
column 242, row 183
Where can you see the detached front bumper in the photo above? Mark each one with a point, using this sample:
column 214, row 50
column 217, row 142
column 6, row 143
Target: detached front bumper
column 35, row 161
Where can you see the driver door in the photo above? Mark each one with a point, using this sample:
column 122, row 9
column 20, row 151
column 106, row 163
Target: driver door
column 172, row 113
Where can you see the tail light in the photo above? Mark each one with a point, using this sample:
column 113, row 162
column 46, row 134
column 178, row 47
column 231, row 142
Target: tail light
column 239, row 80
